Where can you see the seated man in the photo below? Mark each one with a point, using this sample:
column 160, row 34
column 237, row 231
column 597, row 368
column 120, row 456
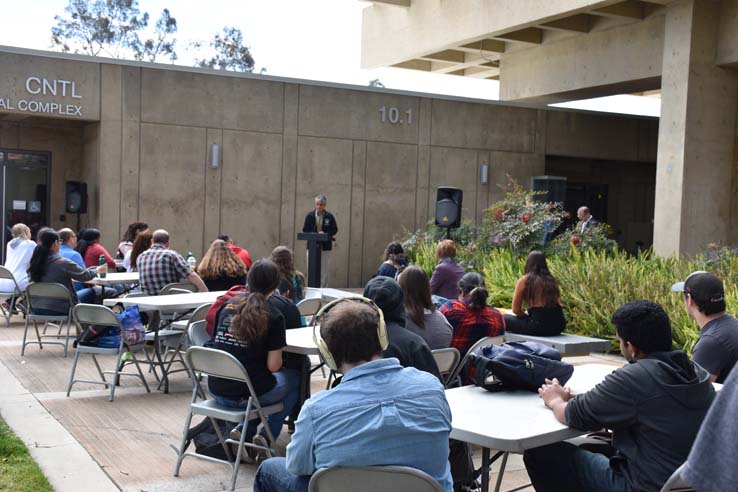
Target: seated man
column 380, row 414
column 654, row 406
column 67, row 250
column 717, row 347
column 159, row 266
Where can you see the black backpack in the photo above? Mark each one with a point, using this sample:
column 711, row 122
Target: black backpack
column 206, row 440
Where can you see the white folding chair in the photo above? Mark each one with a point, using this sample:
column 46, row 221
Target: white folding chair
column 42, row 290
column 309, row 307
column 175, row 345
column 454, row 378
column 93, row 314
column 221, row 364
column 197, row 334
column 14, row 293
column 446, row 359
column 371, row 479
column 675, row 483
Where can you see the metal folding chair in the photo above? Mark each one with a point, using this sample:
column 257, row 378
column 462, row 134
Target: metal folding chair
column 371, row 479
column 197, row 334
column 454, row 378
column 446, row 359
column 93, row 314
column 675, row 483
column 217, row 363
column 42, row 290
column 174, row 345
column 14, row 294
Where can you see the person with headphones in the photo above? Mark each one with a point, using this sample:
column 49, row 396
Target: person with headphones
column 380, row 414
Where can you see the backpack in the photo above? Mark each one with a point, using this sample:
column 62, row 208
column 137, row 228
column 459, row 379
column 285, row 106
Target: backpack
column 518, row 365
column 214, row 310
column 206, row 439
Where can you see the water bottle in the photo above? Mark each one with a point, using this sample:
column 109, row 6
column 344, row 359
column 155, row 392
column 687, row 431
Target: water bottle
column 101, row 261
column 191, row 260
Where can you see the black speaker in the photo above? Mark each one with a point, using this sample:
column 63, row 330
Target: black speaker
column 76, row 197
column 554, row 186
column 448, row 207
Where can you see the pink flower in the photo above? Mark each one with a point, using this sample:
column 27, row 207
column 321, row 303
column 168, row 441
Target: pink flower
column 525, row 218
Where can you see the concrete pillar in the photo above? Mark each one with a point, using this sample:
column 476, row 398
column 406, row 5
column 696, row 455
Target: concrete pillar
column 696, row 133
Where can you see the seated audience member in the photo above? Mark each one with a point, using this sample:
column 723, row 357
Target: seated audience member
column 91, row 250
column 380, row 414
column 220, row 268
column 395, row 260
column 252, row 330
column 17, row 257
column 140, row 244
column 47, row 266
column 133, row 230
column 470, row 316
column 67, row 249
column 410, row 349
column 159, row 266
column 717, row 347
column 445, row 279
column 240, row 252
column 292, row 282
column 539, row 291
column 654, row 407
column 423, row 318
column 711, row 463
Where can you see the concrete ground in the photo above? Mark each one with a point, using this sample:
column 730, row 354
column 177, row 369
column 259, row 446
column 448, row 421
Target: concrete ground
column 86, row 443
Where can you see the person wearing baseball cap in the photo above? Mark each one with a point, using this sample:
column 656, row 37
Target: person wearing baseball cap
column 717, row 347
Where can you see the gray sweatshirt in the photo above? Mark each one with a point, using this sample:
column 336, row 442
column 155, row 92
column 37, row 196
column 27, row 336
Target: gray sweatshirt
column 654, row 407
column 62, row 271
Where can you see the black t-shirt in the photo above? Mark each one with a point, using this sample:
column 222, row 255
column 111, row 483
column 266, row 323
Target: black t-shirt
column 224, row 283
column 288, row 309
column 717, row 348
column 253, row 355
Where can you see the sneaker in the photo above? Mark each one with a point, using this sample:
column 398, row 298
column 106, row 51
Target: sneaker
column 20, row 305
column 249, row 455
column 261, row 454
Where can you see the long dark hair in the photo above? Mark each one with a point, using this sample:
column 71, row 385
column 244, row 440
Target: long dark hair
column 393, row 249
column 89, row 237
column 251, row 321
column 140, row 244
column 539, row 283
column 133, row 229
column 39, row 260
column 473, row 289
column 416, row 287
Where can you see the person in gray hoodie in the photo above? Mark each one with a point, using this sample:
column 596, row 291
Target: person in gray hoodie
column 654, row 407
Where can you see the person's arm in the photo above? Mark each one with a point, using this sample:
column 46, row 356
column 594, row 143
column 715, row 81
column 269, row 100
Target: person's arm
column 274, row 360
column 436, row 280
column 611, row 404
column 306, row 226
column 78, row 273
column 332, row 225
column 711, row 355
column 108, row 259
column 300, row 456
column 423, row 360
column 518, row 295
column 197, row 282
column 555, row 397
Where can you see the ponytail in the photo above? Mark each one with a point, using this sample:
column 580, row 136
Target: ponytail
column 473, row 289
column 251, row 321
column 478, row 297
column 39, row 263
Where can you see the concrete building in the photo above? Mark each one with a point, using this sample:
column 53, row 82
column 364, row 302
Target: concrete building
column 560, row 50
column 141, row 136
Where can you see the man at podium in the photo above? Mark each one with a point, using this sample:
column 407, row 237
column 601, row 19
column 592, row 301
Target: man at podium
column 322, row 221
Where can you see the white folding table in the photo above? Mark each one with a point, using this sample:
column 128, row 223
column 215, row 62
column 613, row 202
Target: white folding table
column 513, row 421
column 116, row 278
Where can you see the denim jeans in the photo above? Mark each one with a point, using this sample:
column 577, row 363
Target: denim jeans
column 273, row 476
column 287, row 391
column 86, row 295
column 564, row 467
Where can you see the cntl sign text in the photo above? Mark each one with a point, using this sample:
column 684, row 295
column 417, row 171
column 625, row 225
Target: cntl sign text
column 35, row 85
column 41, row 86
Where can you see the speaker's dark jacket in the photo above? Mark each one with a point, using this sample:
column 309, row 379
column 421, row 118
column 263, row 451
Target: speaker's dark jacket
column 330, row 226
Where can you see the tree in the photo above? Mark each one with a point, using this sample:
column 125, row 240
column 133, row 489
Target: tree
column 163, row 43
column 230, row 52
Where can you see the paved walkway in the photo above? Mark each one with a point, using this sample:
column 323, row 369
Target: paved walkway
column 85, row 443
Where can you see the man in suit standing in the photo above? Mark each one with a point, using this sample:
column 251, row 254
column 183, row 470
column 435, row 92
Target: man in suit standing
column 322, row 221
column 586, row 221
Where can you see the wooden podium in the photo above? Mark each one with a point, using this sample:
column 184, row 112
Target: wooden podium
column 315, row 249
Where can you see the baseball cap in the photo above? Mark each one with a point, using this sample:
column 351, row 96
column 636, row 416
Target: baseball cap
column 702, row 286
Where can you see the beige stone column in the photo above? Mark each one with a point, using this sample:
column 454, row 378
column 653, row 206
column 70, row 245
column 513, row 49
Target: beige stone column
column 696, row 133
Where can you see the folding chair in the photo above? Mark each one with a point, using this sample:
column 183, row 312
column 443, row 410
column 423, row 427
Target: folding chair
column 309, row 307
column 13, row 293
column 218, row 363
column 174, row 345
column 42, row 290
column 197, row 334
column 675, row 483
column 93, row 314
column 446, row 359
column 372, row 478
column 454, row 378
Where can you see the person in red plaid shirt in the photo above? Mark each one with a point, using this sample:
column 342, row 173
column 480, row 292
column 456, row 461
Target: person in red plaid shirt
column 159, row 266
column 470, row 316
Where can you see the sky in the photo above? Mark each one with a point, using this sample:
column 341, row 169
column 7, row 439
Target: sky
column 306, row 39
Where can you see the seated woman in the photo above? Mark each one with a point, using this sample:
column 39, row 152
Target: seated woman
column 220, row 268
column 423, row 318
column 395, row 260
column 91, row 250
column 292, row 282
column 140, row 244
column 126, row 245
column 47, row 266
column 445, row 279
column 470, row 316
column 539, row 291
column 253, row 331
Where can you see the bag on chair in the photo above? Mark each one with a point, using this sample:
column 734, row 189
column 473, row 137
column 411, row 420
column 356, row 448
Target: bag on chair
column 518, row 365
column 131, row 323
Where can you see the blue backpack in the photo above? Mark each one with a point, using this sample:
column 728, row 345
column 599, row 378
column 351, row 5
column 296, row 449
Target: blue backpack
column 518, row 365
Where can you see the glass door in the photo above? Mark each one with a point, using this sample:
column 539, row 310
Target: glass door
column 25, row 191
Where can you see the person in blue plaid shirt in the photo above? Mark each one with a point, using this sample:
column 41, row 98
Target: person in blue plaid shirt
column 159, row 266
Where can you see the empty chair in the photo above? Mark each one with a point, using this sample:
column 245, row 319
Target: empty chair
column 446, row 359
column 371, row 479
column 175, row 345
column 197, row 334
column 675, row 483
column 308, row 307
column 92, row 314
column 454, row 378
column 12, row 293
column 36, row 291
column 213, row 362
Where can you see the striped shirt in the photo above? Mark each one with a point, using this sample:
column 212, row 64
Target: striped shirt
column 159, row 266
